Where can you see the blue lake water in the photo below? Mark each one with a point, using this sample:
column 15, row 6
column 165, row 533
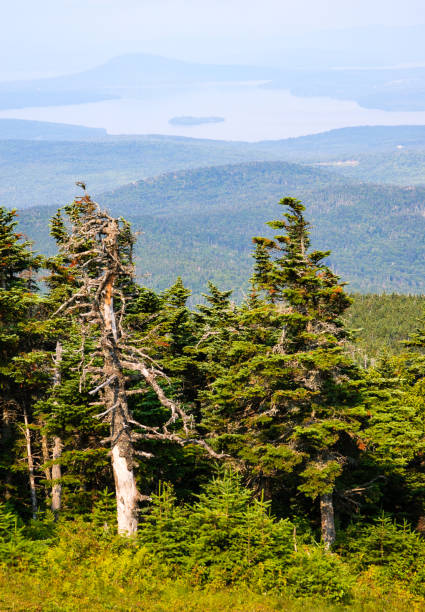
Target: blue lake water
column 251, row 113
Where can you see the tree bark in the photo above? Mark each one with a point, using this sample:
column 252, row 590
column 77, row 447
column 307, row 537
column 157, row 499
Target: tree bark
column 56, row 476
column 102, row 275
column 46, row 458
column 6, row 439
column 57, row 443
column 327, row 520
column 30, row 466
column 122, row 451
column 45, row 452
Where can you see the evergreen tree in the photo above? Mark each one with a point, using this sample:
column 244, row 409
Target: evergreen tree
column 97, row 251
column 22, row 370
column 289, row 402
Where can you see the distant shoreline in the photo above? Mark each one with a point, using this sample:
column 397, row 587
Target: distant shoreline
column 188, row 120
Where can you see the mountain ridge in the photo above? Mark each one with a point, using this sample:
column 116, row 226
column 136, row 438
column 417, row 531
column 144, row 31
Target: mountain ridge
column 199, row 223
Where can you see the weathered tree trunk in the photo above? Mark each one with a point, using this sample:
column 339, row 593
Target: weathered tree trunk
column 125, row 483
column 6, row 439
column 56, row 475
column 122, row 451
column 102, row 274
column 46, row 458
column 57, row 443
column 30, row 466
column 45, row 453
column 327, row 519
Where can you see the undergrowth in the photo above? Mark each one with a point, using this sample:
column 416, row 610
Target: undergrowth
column 225, row 552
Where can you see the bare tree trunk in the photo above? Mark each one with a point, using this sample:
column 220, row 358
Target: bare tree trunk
column 125, row 485
column 57, row 443
column 30, row 466
column 56, row 476
column 327, row 520
column 6, row 441
column 45, row 452
column 122, row 451
column 111, row 266
column 46, row 458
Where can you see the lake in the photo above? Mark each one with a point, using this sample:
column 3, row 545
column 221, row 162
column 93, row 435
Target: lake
column 251, row 113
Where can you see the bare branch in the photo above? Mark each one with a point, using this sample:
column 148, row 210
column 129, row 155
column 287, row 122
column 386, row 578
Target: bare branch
column 104, row 384
column 102, row 414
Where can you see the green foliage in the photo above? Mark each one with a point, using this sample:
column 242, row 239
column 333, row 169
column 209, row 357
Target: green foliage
column 382, row 323
column 104, row 511
column 20, row 544
column 227, row 537
column 272, row 382
column 208, row 217
column 285, row 397
column 397, row 550
column 22, row 359
column 317, row 574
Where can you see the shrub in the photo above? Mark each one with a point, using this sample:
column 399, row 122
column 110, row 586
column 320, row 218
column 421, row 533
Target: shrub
column 228, row 538
column 395, row 550
column 18, row 544
column 320, row 574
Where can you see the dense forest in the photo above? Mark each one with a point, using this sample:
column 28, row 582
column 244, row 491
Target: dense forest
column 198, row 224
column 155, row 455
column 40, row 161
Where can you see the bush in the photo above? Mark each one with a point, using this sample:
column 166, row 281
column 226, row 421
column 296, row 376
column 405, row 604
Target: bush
column 227, row 538
column 320, row 574
column 396, row 551
column 19, row 544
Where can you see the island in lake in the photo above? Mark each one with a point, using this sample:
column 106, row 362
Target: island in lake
column 187, row 120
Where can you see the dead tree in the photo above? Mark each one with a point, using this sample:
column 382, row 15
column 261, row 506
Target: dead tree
column 98, row 249
column 57, row 442
column 30, row 460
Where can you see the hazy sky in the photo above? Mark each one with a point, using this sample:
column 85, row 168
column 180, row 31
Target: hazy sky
column 54, row 36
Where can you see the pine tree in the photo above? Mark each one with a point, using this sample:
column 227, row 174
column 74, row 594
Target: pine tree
column 21, row 360
column 289, row 401
column 396, row 428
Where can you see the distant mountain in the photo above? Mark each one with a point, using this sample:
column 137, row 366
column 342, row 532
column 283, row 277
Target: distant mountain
column 390, row 89
column 348, row 141
column 354, row 47
column 44, row 172
column 142, row 75
column 199, row 224
column 131, row 75
column 36, row 173
column 21, row 129
column 138, row 69
column 359, row 139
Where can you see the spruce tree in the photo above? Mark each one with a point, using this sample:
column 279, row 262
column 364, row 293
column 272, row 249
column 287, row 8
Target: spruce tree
column 289, row 401
column 22, row 372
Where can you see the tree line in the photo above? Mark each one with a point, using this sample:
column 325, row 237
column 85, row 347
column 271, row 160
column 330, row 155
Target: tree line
column 108, row 386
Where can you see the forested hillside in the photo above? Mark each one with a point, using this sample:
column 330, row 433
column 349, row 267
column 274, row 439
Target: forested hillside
column 383, row 323
column 44, row 172
column 198, row 224
column 349, row 141
column 401, row 167
column 243, row 452
column 41, row 161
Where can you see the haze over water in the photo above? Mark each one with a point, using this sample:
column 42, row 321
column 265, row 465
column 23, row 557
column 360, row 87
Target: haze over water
column 251, row 113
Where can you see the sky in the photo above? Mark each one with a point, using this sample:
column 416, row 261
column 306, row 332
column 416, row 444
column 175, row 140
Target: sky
column 49, row 37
